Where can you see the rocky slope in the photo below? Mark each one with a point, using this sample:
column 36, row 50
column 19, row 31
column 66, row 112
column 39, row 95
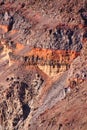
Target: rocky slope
column 43, row 65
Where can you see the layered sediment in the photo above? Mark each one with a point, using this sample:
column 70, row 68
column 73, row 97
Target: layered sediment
column 43, row 61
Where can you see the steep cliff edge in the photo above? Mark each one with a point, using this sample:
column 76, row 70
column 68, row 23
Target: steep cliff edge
column 43, row 65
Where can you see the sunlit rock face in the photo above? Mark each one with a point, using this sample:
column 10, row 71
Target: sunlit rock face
column 61, row 45
column 50, row 61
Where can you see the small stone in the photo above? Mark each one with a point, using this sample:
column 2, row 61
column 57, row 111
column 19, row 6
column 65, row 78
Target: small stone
column 6, row 16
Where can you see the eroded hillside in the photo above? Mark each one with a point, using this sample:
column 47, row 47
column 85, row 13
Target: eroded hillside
column 43, row 65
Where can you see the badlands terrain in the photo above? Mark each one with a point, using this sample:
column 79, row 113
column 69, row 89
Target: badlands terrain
column 43, row 64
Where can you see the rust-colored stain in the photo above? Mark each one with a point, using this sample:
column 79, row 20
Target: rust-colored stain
column 4, row 28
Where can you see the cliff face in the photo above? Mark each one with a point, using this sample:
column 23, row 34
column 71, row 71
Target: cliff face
column 43, row 65
column 50, row 61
